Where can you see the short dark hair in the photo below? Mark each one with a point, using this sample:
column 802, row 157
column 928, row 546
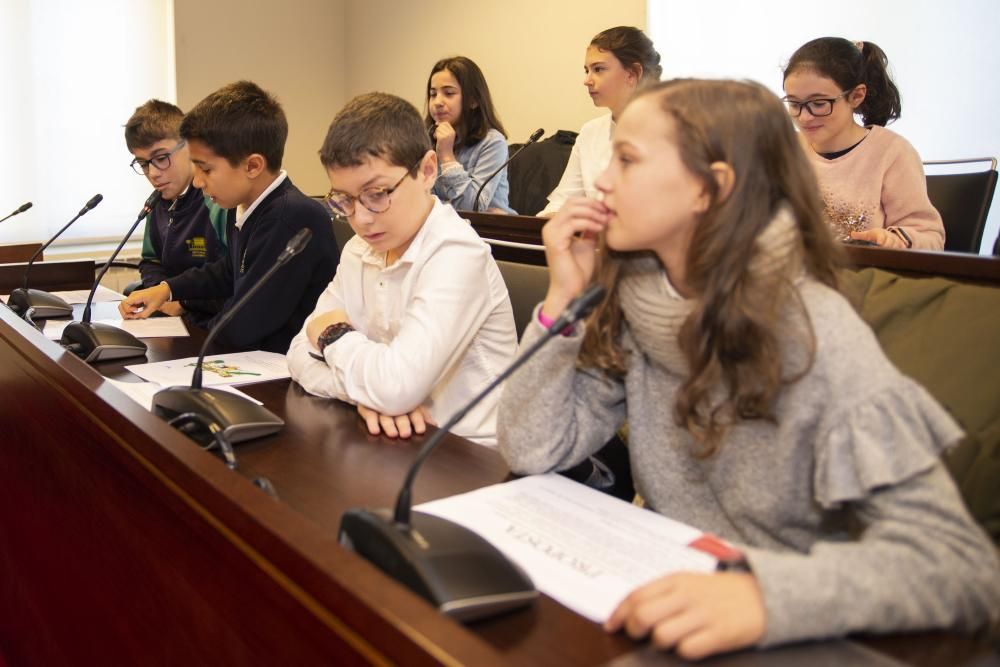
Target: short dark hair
column 478, row 113
column 238, row 120
column 850, row 64
column 633, row 49
column 154, row 121
column 375, row 125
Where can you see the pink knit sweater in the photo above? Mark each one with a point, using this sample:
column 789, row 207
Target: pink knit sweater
column 880, row 183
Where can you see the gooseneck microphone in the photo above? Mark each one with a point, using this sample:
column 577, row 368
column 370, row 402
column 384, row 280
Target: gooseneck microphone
column 100, row 342
column 43, row 303
column 21, row 209
column 458, row 571
column 238, row 418
column 535, row 136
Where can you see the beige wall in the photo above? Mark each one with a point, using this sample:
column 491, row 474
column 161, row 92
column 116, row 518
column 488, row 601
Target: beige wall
column 531, row 51
column 316, row 54
column 294, row 49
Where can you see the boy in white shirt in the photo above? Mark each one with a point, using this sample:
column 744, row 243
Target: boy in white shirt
column 417, row 319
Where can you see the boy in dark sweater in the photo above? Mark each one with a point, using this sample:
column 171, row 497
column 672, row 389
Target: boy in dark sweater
column 185, row 228
column 236, row 137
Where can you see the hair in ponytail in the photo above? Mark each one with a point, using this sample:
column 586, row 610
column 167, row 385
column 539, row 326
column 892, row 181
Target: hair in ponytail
column 851, row 64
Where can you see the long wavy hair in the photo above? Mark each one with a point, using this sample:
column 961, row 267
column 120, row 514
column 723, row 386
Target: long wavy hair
column 731, row 337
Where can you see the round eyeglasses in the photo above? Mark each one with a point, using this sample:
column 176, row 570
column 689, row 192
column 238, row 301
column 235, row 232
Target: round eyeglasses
column 375, row 199
column 161, row 161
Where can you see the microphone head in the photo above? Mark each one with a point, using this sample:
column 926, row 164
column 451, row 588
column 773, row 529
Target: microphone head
column 151, row 201
column 297, row 242
column 94, row 201
column 536, row 135
column 24, row 207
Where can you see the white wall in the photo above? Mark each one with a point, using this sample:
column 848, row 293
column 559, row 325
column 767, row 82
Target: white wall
column 531, row 52
column 943, row 55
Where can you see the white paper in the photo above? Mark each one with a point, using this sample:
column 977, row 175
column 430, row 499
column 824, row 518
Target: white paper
column 581, row 547
column 102, row 295
column 153, row 327
column 143, row 392
column 220, row 369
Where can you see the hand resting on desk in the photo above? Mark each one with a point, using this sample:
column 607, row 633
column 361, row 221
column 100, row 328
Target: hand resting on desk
column 696, row 614
column 140, row 304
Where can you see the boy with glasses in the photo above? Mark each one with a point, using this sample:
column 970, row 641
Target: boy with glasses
column 417, row 319
column 236, row 138
column 184, row 229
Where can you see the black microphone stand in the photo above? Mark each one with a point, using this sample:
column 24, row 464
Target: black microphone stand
column 240, row 419
column 100, row 342
column 454, row 568
column 44, row 304
column 535, row 136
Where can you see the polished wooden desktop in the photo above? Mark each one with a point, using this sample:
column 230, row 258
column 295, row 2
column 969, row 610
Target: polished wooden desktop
column 124, row 542
column 518, row 238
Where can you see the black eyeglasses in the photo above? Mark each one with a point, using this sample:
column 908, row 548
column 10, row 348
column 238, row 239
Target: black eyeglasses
column 375, row 200
column 819, row 107
column 161, row 161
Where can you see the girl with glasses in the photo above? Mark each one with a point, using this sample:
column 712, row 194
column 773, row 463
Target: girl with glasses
column 468, row 137
column 761, row 408
column 872, row 179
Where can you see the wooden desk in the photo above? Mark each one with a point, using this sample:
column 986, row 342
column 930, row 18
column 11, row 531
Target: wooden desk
column 123, row 542
column 520, row 239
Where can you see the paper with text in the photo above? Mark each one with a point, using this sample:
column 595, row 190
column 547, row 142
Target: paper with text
column 219, row 369
column 581, row 547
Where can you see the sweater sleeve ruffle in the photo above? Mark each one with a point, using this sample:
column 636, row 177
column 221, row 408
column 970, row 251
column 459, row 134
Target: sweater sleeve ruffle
column 884, row 440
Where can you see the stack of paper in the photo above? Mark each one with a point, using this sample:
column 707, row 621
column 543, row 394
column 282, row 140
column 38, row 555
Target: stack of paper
column 581, row 547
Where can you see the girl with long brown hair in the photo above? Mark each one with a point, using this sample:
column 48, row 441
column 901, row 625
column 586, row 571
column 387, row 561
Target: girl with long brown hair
column 760, row 407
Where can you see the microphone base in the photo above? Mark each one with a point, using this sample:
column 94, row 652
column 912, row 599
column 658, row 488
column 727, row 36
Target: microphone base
column 238, row 418
column 94, row 342
column 44, row 303
column 459, row 572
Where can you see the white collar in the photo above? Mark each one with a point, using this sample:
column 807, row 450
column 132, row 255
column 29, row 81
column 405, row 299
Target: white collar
column 241, row 215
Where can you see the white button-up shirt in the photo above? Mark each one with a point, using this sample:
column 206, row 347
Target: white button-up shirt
column 590, row 156
column 432, row 329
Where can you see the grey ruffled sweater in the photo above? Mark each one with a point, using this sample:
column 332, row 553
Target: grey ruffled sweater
column 849, row 521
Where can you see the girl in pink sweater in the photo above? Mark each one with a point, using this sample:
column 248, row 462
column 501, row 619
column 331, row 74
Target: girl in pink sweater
column 872, row 179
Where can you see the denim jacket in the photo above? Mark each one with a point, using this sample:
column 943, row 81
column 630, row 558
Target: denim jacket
column 458, row 186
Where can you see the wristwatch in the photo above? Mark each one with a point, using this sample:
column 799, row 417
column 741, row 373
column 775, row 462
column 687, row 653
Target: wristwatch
column 332, row 334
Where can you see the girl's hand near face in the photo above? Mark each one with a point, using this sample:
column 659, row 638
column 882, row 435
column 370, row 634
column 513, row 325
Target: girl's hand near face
column 571, row 238
column 444, row 136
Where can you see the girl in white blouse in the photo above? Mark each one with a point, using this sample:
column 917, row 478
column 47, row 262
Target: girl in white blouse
column 617, row 61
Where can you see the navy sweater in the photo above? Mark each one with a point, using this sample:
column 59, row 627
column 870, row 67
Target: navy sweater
column 189, row 231
column 276, row 313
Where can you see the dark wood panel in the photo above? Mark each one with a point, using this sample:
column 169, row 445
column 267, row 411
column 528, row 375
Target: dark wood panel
column 520, row 229
column 124, row 542
column 49, row 276
column 18, row 252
